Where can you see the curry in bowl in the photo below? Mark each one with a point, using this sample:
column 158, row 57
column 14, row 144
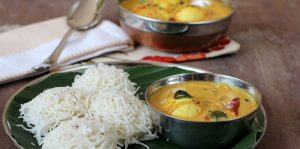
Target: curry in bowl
column 179, row 10
column 203, row 101
column 196, row 107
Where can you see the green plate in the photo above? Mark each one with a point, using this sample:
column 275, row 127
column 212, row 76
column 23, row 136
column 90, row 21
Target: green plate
column 141, row 73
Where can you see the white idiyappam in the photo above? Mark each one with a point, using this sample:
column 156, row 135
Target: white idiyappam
column 131, row 117
column 104, row 77
column 47, row 110
column 83, row 133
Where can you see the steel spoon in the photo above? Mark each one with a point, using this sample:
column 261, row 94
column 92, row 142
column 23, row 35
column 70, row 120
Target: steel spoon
column 83, row 15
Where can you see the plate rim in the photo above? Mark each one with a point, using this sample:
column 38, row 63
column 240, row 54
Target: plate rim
column 82, row 66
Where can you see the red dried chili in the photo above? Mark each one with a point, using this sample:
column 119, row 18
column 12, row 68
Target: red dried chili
column 234, row 105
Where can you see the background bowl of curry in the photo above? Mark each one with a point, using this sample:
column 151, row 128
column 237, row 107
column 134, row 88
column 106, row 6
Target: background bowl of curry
column 202, row 134
column 172, row 36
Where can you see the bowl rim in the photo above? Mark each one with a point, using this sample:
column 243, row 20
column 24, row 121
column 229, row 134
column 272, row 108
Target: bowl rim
column 259, row 98
column 174, row 22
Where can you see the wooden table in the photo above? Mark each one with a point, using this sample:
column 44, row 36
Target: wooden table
column 269, row 32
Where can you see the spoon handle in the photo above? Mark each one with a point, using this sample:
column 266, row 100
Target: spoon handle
column 55, row 55
column 52, row 59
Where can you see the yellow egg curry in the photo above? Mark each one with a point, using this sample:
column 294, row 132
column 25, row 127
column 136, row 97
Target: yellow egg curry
column 203, row 101
column 179, row 10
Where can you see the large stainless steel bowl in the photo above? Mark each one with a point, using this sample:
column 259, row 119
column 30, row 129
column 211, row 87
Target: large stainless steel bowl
column 211, row 135
column 173, row 36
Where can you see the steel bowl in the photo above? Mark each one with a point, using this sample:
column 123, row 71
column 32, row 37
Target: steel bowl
column 173, row 36
column 195, row 134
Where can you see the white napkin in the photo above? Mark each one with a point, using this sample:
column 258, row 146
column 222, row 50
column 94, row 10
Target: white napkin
column 15, row 60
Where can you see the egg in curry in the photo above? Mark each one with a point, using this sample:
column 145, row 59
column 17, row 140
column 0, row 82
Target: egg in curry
column 203, row 101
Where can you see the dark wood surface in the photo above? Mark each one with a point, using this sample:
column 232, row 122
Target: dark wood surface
column 269, row 32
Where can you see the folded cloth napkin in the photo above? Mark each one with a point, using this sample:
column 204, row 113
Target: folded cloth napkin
column 25, row 47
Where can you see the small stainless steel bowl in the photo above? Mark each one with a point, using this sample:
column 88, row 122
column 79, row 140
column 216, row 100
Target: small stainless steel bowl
column 171, row 36
column 197, row 135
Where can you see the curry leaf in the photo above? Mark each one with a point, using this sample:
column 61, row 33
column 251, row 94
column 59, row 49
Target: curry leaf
column 182, row 94
column 247, row 100
column 217, row 114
